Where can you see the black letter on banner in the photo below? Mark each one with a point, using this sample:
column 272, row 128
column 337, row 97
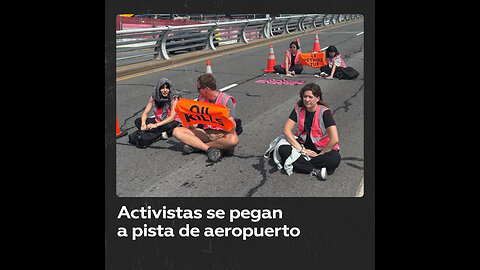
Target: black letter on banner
column 189, row 117
column 195, row 106
column 203, row 117
column 211, row 120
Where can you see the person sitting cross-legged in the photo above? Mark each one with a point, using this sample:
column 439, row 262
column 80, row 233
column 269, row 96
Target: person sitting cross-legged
column 210, row 139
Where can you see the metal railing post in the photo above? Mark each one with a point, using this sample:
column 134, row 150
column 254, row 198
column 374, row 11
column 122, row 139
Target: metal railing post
column 210, row 44
column 265, row 32
column 163, row 44
column 300, row 26
column 243, row 38
column 285, row 26
column 158, row 45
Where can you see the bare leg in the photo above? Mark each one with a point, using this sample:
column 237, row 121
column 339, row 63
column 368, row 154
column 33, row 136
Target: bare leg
column 192, row 137
column 203, row 139
column 227, row 142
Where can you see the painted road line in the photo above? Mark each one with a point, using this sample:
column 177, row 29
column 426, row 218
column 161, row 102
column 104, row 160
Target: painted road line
column 227, row 87
column 360, row 33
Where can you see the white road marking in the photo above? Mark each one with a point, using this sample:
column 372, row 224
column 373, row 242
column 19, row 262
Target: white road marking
column 345, row 32
column 227, row 87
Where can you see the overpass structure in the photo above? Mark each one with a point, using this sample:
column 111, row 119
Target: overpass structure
column 162, row 42
column 162, row 170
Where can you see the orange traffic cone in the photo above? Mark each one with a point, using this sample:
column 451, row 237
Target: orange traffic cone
column 316, row 44
column 271, row 61
column 120, row 133
column 209, row 68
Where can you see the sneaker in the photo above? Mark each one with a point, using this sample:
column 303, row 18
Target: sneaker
column 164, row 135
column 214, row 154
column 320, row 174
column 187, row 149
column 228, row 153
column 323, row 74
column 292, row 72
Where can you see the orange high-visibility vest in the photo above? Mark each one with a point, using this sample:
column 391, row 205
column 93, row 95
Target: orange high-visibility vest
column 318, row 134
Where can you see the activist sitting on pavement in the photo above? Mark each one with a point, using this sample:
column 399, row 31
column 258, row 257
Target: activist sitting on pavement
column 208, row 138
column 163, row 101
column 291, row 65
column 312, row 148
column 335, row 63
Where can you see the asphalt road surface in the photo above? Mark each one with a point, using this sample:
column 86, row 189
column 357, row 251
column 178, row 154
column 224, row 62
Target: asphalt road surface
column 162, row 170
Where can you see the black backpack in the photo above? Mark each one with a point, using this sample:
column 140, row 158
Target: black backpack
column 143, row 138
column 348, row 73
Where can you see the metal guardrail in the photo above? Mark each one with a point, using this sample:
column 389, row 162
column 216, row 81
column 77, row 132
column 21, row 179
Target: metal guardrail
column 161, row 42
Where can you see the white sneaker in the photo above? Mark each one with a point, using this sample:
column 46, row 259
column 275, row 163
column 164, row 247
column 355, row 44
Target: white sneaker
column 164, row 135
column 323, row 74
column 323, row 173
column 320, row 174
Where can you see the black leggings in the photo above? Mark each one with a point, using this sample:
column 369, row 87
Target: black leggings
column 329, row 160
column 297, row 68
column 164, row 128
column 328, row 70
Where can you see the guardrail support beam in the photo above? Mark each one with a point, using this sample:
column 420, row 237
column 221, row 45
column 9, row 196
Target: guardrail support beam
column 163, row 44
column 211, row 34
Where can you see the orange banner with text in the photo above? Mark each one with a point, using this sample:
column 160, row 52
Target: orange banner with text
column 314, row 60
column 197, row 112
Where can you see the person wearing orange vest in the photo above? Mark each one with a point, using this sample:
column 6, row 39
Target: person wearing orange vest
column 311, row 131
column 291, row 65
column 210, row 139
